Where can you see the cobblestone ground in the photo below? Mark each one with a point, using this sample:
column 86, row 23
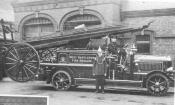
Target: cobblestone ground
column 85, row 95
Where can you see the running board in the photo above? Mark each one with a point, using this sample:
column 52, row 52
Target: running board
column 109, row 82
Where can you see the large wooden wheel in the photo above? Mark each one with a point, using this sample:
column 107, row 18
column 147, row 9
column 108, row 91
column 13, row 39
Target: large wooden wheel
column 21, row 62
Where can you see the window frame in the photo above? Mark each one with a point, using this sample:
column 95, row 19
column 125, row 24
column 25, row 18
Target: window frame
column 151, row 34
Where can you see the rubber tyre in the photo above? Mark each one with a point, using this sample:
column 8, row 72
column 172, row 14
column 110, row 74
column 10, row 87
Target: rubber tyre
column 61, row 80
column 154, row 82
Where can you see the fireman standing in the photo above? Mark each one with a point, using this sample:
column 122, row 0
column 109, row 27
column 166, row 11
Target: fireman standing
column 99, row 71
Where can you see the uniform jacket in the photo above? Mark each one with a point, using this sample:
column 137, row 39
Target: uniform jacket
column 113, row 47
column 100, row 66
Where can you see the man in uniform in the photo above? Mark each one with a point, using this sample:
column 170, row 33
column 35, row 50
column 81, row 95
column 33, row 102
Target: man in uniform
column 114, row 46
column 99, row 70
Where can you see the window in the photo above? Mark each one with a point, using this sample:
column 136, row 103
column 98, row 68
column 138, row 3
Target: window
column 37, row 27
column 143, row 44
column 86, row 19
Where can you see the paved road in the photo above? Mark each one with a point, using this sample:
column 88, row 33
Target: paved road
column 85, row 95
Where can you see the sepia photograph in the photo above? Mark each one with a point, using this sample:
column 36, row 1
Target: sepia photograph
column 87, row 52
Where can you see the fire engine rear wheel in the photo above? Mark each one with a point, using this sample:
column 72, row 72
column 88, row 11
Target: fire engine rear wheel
column 157, row 84
column 61, row 80
column 21, row 62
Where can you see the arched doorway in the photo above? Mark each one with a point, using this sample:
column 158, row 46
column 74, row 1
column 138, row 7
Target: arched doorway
column 33, row 26
column 37, row 27
column 86, row 19
column 75, row 18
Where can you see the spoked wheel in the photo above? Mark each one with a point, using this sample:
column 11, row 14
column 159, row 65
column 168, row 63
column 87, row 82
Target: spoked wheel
column 157, row 84
column 61, row 80
column 21, row 62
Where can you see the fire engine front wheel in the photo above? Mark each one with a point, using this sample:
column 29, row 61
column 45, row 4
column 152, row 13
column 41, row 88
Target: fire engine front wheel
column 61, row 80
column 157, row 84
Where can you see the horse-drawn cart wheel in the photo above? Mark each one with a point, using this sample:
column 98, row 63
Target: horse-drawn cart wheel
column 21, row 62
column 61, row 80
column 157, row 84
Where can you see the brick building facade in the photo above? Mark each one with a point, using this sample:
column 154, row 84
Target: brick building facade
column 163, row 40
column 38, row 19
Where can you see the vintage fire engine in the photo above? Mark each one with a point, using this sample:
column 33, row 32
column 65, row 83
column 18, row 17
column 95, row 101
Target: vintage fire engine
column 74, row 67
column 60, row 62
